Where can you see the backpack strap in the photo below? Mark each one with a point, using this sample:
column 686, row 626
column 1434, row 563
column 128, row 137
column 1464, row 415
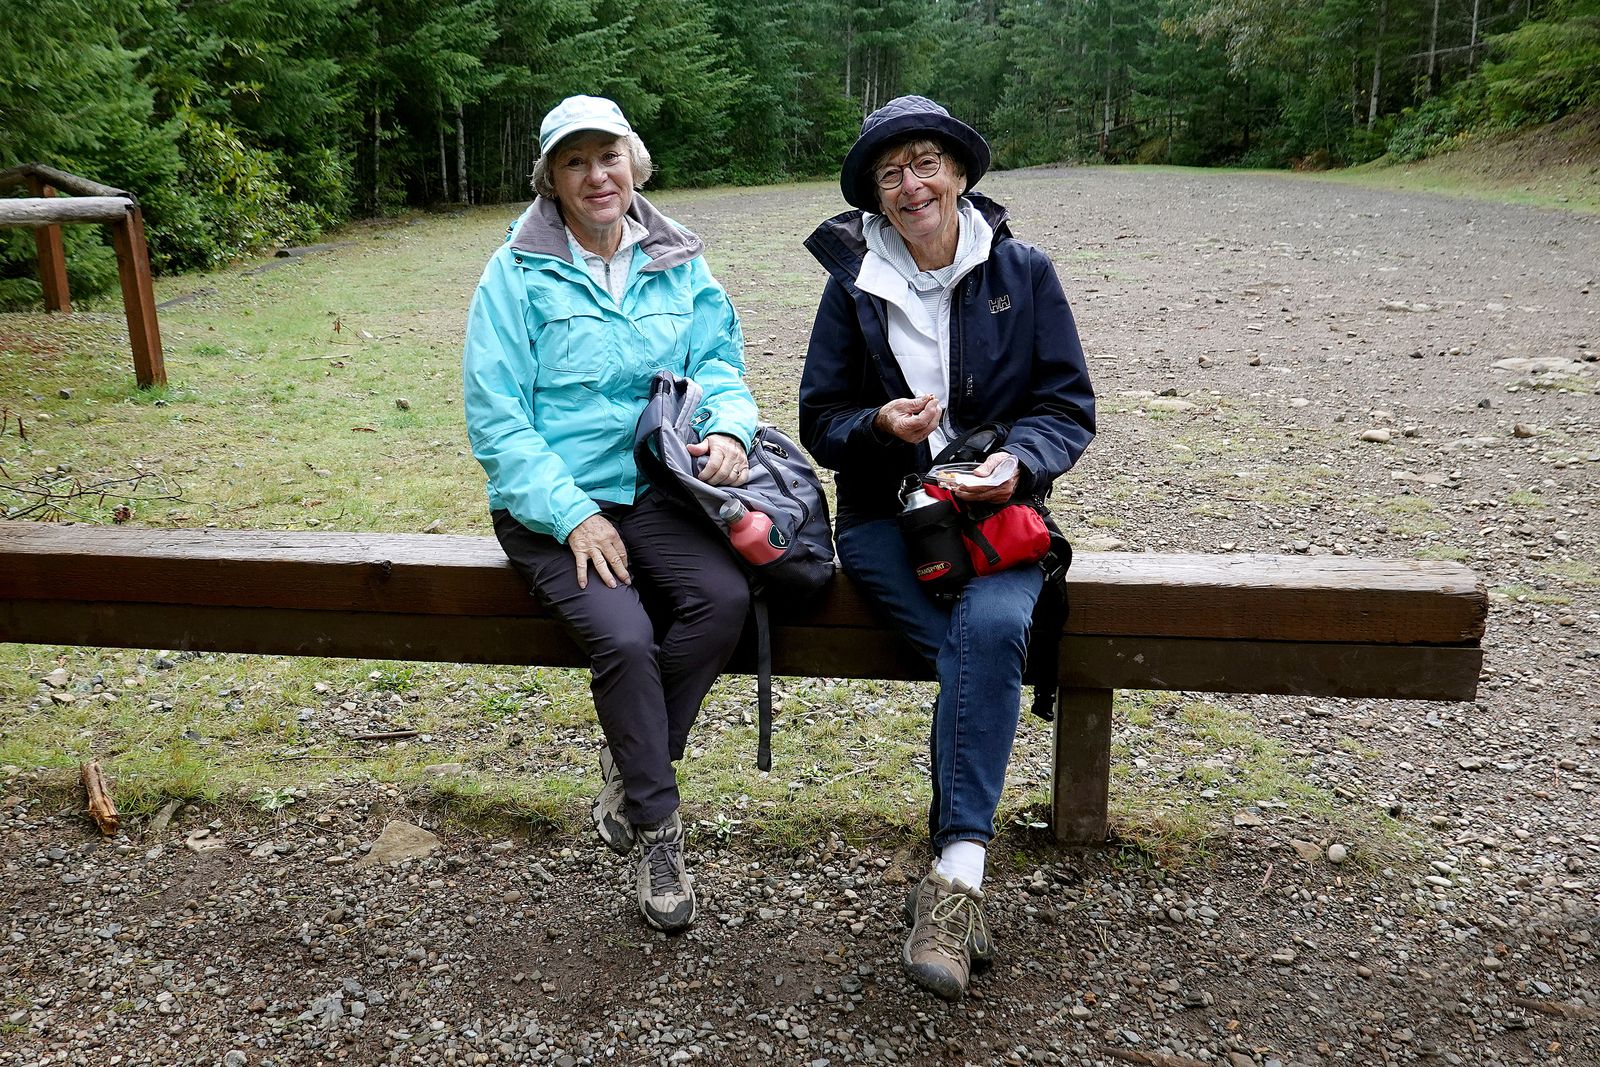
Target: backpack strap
column 975, row 445
column 974, row 533
column 758, row 607
column 1049, row 617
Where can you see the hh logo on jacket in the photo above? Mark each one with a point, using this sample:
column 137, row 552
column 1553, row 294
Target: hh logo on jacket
column 999, row 304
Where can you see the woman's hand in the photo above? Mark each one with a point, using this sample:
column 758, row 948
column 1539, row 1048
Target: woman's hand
column 727, row 463
column 911, row 420
column 992, row 494
column 596, row 541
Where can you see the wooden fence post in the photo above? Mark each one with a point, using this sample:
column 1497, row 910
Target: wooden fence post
column 1081, row 785
column 52, row 256
column 138, row 298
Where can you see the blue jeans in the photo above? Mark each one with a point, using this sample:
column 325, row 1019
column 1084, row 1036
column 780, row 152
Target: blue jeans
column 976, row 646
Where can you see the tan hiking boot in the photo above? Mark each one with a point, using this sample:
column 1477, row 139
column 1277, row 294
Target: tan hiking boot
column 937, row 954
column 980, row 944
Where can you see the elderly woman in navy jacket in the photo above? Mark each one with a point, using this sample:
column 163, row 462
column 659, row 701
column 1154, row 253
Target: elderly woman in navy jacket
column 936, row 320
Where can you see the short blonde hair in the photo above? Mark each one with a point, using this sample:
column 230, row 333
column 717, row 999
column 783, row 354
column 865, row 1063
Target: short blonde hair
column 638, row 157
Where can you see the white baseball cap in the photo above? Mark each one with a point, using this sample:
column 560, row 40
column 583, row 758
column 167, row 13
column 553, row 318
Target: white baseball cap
column 577, row 114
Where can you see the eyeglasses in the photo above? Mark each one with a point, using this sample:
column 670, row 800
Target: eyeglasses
column 923, row 167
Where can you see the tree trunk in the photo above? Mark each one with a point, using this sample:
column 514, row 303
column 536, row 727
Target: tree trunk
column 1247, row 130
column 461, row 155
column 849, row 57
column 1433, row 52
column 377, row 174
column 1377, row 65
column 505, row 158
column 1106, row 114
column 444, row 164
column 1355, row 91
column 1472, row 47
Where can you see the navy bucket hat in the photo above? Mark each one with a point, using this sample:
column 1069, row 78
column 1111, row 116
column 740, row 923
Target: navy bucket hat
column 906, row 118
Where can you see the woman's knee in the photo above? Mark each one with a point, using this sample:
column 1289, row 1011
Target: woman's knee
column 721, row 608
column 996, row 624
column 622, row 640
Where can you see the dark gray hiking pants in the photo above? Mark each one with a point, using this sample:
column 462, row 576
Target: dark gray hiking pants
column 654, row 647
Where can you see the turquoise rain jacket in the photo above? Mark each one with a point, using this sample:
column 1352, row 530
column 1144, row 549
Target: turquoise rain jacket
column 555, row 374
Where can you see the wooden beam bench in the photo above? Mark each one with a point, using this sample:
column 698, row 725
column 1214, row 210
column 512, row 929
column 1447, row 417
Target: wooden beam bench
column 1316, row 626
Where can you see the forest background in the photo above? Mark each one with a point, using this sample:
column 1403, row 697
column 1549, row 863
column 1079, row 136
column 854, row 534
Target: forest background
column 246, row 123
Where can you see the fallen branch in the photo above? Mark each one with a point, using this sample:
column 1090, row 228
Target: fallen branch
column 52, row 498
column 1556, row 1008
column 101, row 807
column 319, row 759
column 386, row 735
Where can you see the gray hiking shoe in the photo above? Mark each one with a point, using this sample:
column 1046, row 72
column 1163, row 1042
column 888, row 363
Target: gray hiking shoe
column 936, row 954
column 666, row 892
column 980, row 946
column 609, row 822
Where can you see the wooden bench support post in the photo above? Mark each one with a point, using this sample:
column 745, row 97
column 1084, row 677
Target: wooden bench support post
column 52, row 256
column 1082, row 782
column 138, row 298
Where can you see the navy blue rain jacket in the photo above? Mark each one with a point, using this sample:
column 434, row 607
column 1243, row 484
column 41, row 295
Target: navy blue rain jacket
column 1014, row 359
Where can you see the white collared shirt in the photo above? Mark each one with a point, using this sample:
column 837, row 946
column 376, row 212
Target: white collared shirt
column 919, row 334
column 611, row 275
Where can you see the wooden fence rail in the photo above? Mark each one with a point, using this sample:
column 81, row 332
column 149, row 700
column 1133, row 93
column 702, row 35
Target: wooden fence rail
column 90, row 202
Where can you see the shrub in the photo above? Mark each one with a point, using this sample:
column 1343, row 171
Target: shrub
column 1544, row 70
column 1369, row 143
column 91, row 267
column 321, row 179
column 229, row 200
column 1435, row 125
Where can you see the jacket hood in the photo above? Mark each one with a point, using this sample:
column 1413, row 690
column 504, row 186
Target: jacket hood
column 840, row 246
column 541, row 231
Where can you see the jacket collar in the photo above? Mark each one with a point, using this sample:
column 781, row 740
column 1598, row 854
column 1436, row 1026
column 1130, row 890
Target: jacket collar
column 840, row 246
column 542, row 232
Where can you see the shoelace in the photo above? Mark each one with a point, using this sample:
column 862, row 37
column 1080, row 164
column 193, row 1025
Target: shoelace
column 945, row 918
column 662, row 859
column 980, row 924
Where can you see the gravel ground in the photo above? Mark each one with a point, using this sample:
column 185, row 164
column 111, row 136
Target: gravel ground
column 1285, row 366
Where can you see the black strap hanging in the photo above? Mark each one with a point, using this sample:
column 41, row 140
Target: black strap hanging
column 758, row 607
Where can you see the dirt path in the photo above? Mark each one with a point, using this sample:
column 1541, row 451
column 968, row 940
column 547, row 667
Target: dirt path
column 1245, row 333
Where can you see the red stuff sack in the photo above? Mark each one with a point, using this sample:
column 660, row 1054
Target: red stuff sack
column 998, row 539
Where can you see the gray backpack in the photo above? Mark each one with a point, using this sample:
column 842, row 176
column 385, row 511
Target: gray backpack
column 782, row 485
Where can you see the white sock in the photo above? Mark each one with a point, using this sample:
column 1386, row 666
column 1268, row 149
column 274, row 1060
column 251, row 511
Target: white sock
column 963, row 861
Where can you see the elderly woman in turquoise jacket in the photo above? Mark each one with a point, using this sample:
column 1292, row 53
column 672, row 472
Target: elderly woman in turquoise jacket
column 592, row 294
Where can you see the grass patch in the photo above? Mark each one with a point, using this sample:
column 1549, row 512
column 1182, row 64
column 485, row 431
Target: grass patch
column 1526, row 498
column 1176, row 809
column 231, row 732
column 1408, row 515
column 1575, row 572
column 1550, row 166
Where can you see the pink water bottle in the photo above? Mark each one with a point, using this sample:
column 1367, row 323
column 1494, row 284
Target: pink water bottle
column 752, row 533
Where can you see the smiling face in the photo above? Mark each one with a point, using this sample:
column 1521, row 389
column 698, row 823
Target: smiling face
column 593, row 179
column 923, row 210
